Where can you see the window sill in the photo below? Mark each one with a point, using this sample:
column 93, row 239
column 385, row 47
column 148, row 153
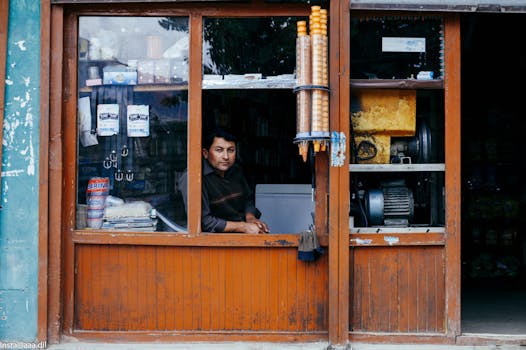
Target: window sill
column 182, row 239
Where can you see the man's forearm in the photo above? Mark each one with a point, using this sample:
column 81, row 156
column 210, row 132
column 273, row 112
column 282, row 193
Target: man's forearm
column 241, row 226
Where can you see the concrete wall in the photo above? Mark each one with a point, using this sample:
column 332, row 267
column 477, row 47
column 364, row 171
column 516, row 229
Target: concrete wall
column 19, row 193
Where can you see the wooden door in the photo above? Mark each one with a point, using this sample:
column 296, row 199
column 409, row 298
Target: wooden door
column 404, row 280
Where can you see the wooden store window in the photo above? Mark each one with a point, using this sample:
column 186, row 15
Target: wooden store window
column 397, row 124
column 140, row 88
column 151, row 86
column 402, row 172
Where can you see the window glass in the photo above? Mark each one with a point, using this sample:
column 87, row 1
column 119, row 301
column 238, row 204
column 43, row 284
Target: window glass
column 397, row 141
column 132, row 122
column 265, row 46
column 396, row 47
column 248, row 76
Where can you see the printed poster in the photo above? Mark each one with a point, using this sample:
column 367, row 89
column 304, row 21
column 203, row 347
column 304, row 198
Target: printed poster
column 107, row 119
column 138, row 120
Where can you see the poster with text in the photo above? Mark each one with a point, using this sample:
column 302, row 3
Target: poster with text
column 138, row 121
column 107, row 119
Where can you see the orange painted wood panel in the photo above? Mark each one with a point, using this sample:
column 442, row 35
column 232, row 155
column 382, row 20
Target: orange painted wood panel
column 398, row 289
column 170, row 288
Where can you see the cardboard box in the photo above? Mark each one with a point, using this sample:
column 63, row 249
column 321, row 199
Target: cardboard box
column 146, row 71
column 119, row 78
column 162, row 72
column 389, row 112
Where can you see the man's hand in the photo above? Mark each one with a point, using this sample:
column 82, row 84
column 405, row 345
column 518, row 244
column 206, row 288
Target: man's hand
column 251, row 227
column 263, row 228
column 254, row 226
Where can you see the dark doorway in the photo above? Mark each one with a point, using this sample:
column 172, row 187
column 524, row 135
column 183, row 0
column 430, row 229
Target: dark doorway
column 493, row 168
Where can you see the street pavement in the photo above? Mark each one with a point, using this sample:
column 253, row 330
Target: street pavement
column 270, row 346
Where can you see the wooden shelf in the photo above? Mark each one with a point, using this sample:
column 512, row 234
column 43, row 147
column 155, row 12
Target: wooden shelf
column 362, row 168
column 411, row 84
column 249, row 84
column 211, row 85
column 145, row 87
column 398, row 230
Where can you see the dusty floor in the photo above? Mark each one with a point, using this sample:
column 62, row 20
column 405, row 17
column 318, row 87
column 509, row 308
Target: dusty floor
column 494, row 309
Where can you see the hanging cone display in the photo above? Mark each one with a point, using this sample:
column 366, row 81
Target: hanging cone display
column 312, row 81
column 303, row 97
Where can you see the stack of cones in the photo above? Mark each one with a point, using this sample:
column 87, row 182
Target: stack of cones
column 303, row 97
column 312, row 74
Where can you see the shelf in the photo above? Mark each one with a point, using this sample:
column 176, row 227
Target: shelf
column 268, row 83
column 145, row 87
column 411, row 84
column 361, row 168
column 211, row 85
column 396, row 230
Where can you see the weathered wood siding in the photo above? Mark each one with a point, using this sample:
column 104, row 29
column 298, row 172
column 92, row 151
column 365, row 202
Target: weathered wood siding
column 398, row 289
column 169, row 288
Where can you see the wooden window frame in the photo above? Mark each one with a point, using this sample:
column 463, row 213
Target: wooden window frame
column 449, row 240
column 196, row 13
column 64, row 22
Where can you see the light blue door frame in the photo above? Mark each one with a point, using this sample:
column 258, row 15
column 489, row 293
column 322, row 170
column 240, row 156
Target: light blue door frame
column 20, row 175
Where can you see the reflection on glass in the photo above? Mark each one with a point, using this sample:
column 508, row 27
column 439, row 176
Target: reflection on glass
column 397, row 48
column 132, row 123
column 265, row 46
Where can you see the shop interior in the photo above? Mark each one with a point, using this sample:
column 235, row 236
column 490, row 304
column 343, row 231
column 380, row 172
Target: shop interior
column 396, row 134
column 263, row 116
column 247, row 90
column 264, row 122
column 493, row 166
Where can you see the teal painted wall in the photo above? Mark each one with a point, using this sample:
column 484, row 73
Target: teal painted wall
column 19, row 194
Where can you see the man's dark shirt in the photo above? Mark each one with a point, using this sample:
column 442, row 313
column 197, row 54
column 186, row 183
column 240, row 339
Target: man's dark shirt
column 223, row 199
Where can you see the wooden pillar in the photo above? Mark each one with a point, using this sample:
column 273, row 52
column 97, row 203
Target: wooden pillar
column 194, row 124
column 43, row 209
column 453, row 176
column 339, row 176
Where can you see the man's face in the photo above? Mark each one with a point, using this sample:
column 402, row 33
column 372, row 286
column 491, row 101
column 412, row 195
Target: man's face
column 221, row 155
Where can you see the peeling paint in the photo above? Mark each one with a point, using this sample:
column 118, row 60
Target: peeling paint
column 31, row 165
column 23, row 101
column 391, row 240
column 279, row 242
column 362, row 241
column 21, row 45
column 15, row 137
column 10, row 173
column 29, row 118
column 19, row 185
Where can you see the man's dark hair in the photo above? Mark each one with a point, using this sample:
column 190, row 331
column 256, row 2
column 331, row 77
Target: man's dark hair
column 209, row 138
